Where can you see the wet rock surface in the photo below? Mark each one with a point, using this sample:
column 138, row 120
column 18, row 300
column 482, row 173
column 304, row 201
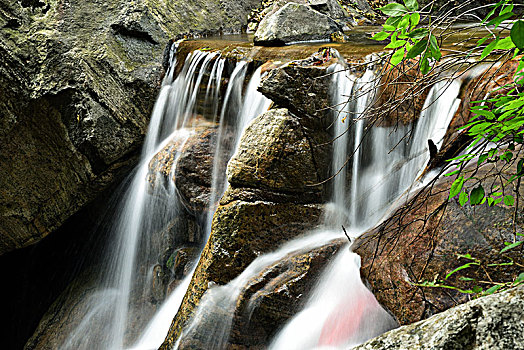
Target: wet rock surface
column 187, row 161
column 294, row 23
column 77, row 84
column 279, row 154
column 423, row 241
column 491, row 322
column 258, row 213
column 266, row 302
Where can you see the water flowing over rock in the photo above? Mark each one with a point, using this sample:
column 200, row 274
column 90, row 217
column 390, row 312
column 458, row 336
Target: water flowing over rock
column 77, row 84
column 194, row 168
column 294, row 23
column 264, row 303
column 422, row 241
column 491, row 322
column 259, row 210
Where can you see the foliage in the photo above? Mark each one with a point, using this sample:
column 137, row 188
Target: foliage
column 497, row 126
column 473, row 263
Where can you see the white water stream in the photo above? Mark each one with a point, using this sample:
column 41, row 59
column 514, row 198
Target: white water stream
column 118, row 310
column 341, row 311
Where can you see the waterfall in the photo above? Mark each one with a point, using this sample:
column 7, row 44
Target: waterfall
column 341, row 312
column 122, row 305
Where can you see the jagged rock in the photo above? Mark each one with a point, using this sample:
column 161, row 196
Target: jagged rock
column 265, row 302
column 422, row 241
column 241, row 231
column 346, row 15
column 491, row 322
column 279, row 154
column 270, row 299
column 77, row 84
column 304, row 90
column 294, row 22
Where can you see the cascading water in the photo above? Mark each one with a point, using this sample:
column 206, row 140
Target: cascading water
column 342, row 312
column 121, row 306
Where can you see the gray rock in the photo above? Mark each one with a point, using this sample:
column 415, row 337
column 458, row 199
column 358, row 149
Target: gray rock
column 294, row 22
column 77, row 84
column 279, row 154
column 493, row 322
column 304, row 90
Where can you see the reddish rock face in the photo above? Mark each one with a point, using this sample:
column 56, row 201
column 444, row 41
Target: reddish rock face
column 422, row 241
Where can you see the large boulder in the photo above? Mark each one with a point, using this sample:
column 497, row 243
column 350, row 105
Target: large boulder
column 492, row 322
column 279, row 154
column 77, row 83
column 294, row 23
column 261, row 210
column 429, row 237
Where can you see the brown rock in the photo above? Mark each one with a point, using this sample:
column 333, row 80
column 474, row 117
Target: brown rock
column 278, row 153
column 422, row 241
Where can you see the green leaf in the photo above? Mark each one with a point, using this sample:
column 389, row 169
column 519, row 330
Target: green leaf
column 492, row 289
column 506, row 9
column 433, row 45
column 415, row 19
column 487, row 114
column 465, row 266
column 505, row 44
column 520, row 278
column 394, row 9
column 498, row 20
column 412, row 5
column 466, row 279
column 418, row 33
column 424, row 65
column 509, row 200
column 398, row 56
column 404, row 23
column 476, row 289
column 463, row 198
column 389, row 28
column 487, row 50
column 417, row 49
column 456, row 187
column 477, row 195
column 517, row 34
column 482, row 158
column 395, row 44
column 511, row 246
column 393, row 21
column 381, row 36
